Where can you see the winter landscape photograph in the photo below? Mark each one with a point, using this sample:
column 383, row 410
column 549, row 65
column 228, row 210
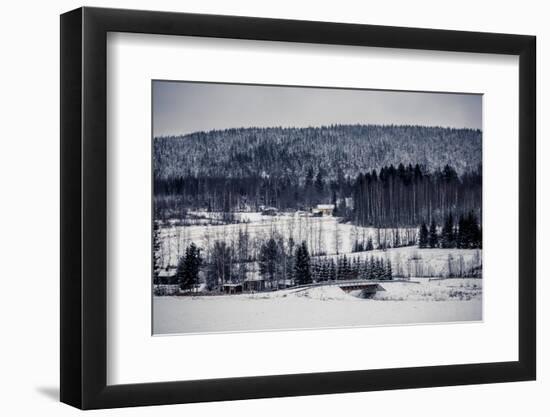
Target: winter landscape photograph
column 283, row 207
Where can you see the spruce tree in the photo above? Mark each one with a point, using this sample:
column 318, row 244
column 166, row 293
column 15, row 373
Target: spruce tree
column 423, row 236
column 369, row 245
column 345, row 268
column 356, row 267
column 463, row 234
column 319, row 183
column 389, row 271
column 156, row 252
column 472, row 231
column 372, row 268
column 332, row 270
column 269, row 255
column 187, row 272
column 448, row 233
column 433, row 238
column 379, row 268
column 302, row 265
column 325, row 271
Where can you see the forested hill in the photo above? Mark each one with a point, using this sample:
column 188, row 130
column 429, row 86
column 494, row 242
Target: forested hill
column 337, row 150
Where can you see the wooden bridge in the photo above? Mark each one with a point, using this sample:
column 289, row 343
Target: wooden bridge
column 368, row 287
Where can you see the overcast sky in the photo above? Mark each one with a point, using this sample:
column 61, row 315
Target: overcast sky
column 186, row 107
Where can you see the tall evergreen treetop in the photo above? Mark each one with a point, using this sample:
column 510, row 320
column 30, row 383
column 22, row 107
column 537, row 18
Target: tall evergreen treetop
column 302, row 266
column 423, row 236
column 187, row 272
column 433, row 238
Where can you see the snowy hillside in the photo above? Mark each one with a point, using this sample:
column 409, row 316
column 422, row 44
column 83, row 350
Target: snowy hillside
column 349, row 148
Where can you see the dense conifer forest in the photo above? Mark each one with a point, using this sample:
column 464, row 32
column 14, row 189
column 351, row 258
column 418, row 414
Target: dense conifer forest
column 384, row 176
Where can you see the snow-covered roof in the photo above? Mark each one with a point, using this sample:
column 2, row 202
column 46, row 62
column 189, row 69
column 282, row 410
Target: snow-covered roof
column 254, row 278
column 167, row 273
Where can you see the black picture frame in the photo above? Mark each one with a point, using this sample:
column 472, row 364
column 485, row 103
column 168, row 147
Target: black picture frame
column 84, row 207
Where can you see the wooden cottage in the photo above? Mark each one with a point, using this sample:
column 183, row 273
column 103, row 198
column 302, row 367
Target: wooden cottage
column 254, row 284
column 323, row 210
column 232, row 288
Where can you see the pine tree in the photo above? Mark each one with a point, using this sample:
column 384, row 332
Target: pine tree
column 389, row 271
column 332, row 267
column 373, row 269
column 303, row 265
column 324, row 273
column 319, row 182
column 357, row 246
column 378, row 272
column 326, row 270
column 345, row 268
column 366, row 271
column 187, row 272
column 462, row 236
column 473, row 234
column 448, row 233
column 354, row 272
column 423, row 236
column 156, row 252
column 269, row 255
column 433, row 238
column 369, row 245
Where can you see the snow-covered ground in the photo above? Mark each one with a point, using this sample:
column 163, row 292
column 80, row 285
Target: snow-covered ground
column 421, row 301
column 424, row 289
column 322, row 234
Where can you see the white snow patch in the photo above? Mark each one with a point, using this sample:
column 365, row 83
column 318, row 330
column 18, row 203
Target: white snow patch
column 321, row 307
column 325, row 293
column 458, row 289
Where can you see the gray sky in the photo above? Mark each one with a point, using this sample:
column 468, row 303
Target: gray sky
column 186, row 107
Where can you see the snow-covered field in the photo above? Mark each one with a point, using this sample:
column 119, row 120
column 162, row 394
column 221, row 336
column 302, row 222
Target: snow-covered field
column 322, row 234
column 420, row 301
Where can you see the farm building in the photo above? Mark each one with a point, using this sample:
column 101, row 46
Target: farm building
column 254, row 284
column 232, row 288
column 167, row 275
column 269, row 211
column 285, row 283
column 323, row 210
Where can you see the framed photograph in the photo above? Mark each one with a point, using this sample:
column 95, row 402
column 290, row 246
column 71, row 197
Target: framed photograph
column 256, row 208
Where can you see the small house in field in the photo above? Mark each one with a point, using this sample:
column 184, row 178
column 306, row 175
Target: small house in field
column 269, row 211
column 232, row 288
column 254, row 284
column 167, row 275
column 323, row 210
column 285, row 283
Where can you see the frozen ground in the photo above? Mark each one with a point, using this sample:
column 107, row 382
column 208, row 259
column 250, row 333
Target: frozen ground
column 322, row 234
column 452, row 300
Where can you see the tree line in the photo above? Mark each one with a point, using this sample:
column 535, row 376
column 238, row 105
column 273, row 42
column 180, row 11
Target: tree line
column 344, row 268
column 391, row 197
column 407, row 195
column 297, row 268
column 465, row 234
